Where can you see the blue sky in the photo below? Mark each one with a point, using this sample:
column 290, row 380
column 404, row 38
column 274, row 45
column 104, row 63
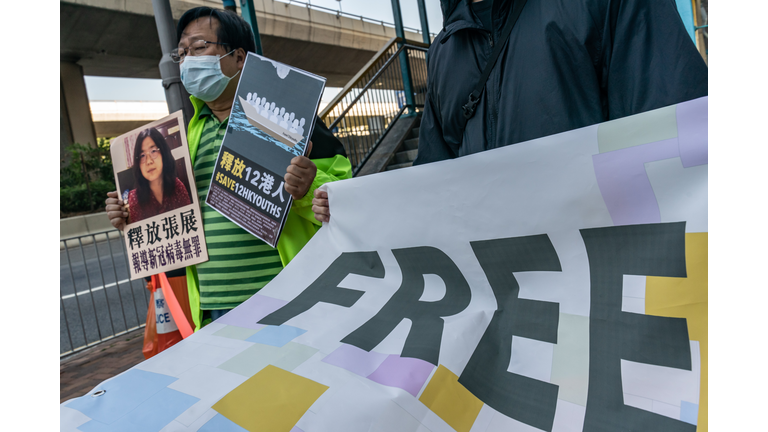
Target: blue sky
column 103, row 88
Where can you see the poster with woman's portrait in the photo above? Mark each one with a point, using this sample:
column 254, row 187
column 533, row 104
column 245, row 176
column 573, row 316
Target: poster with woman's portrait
column 153, row 174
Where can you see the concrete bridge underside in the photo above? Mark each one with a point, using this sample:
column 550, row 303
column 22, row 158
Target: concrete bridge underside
column 118, row 38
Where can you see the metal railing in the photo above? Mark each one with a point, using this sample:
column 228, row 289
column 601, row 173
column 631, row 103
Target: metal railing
column 98, row 299
column 366, row 108
column 340, row 13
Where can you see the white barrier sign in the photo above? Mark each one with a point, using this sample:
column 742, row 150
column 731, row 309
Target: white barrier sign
column 163, row 317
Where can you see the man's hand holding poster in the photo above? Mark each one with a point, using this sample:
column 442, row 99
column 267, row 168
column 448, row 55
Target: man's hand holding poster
column 270, row 124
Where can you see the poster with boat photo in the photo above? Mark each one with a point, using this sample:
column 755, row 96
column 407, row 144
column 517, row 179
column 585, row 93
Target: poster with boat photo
column 271, row 121
column 153, row 174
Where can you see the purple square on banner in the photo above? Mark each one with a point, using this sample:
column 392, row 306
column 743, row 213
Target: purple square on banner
column 692, row 132
column 624, row 184
column 409, row 374
column 355, row 360
column 249, row 313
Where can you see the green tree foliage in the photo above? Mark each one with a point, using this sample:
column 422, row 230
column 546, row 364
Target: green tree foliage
column 85, row 178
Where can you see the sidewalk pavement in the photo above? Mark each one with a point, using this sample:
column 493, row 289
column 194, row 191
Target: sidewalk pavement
column 81, row 372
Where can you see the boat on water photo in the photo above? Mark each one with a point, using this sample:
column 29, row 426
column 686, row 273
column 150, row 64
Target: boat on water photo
column 269, row 127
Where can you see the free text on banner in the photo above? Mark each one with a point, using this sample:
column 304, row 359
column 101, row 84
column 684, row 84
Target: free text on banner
column 557, row 285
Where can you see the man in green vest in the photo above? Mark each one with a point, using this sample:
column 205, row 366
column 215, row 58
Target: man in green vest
column 239, row 263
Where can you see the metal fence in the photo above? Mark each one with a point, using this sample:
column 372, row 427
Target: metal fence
column 98, row 299
column 340, row 13
column 364, row 111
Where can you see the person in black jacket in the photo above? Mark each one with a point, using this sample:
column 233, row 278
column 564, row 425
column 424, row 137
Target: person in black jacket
column 567, row 64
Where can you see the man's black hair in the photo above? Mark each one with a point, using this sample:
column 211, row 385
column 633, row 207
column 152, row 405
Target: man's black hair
column 233, row 30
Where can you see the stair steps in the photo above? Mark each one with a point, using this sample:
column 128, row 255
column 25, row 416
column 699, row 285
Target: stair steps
column 406, row 154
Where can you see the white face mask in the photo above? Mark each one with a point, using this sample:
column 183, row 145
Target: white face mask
column 203, row 78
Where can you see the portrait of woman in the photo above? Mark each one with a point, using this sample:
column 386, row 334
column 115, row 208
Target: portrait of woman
column 158, row 189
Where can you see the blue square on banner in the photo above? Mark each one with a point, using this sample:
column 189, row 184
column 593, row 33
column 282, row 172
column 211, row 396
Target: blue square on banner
column 219, row 423
column 689, row 412
column 94, row 426
column 161, row 409
column 123, row 394
column 276, row 335
column 151, row 416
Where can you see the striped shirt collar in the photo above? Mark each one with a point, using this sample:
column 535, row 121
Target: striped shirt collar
column 205, row 111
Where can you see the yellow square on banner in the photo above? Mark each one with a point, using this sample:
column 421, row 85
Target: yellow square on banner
column 273, row 400
column 450, row 400
column 687, row 298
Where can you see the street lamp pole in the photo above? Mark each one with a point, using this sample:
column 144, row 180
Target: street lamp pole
column 249, row 14
column 404, row 65
column 175, row 94
column 424, row 23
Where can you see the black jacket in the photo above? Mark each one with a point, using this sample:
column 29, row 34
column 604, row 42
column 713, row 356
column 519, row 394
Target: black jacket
column 324, row 143
column 567, row 64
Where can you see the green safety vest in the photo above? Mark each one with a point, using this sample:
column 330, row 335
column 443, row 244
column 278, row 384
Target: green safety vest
column 300, row 225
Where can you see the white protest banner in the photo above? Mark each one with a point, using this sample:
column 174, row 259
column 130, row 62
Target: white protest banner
column 555, row 285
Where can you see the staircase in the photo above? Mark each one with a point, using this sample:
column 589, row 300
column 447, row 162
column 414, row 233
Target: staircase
column 371, row 116
column 407, row 152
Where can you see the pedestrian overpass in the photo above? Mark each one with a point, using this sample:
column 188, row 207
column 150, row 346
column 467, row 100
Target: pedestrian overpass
column 117, row 38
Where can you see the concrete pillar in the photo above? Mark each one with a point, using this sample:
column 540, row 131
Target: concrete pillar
column 66, row 131
column 76, row 112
